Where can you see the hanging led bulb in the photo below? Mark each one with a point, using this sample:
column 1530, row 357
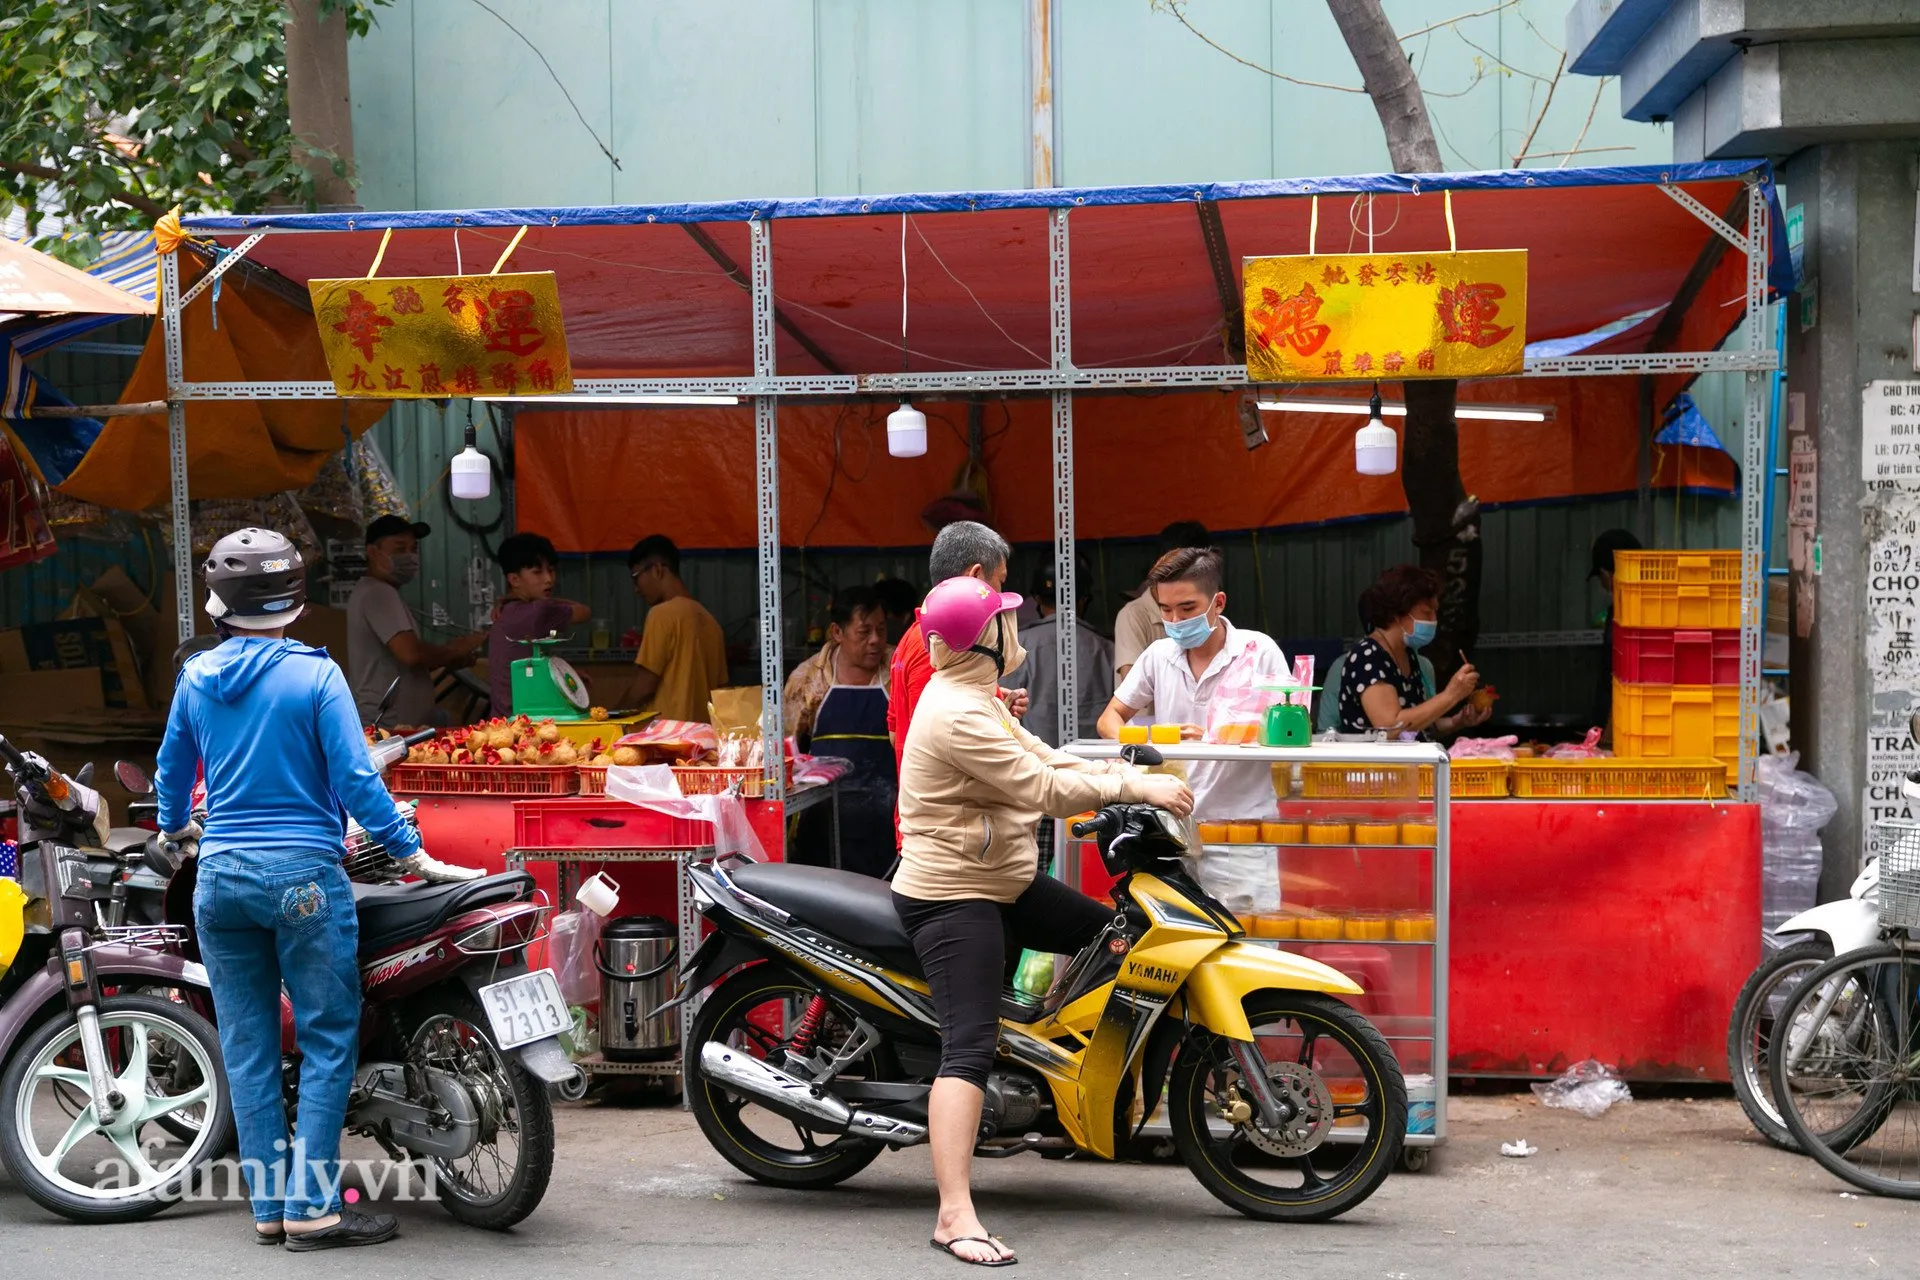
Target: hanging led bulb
column 472, row 473
column 1376, row 448
column 906, row 432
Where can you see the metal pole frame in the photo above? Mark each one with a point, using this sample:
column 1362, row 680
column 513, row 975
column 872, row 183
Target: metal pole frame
column 766, row 470
column 1066, row 590
column 177, row 443
column 1756, row 483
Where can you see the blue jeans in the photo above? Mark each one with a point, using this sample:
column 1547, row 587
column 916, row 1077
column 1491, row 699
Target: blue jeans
column 263, row 921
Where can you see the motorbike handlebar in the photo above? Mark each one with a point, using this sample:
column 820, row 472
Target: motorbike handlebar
column 1100, row 824
column 15, row 758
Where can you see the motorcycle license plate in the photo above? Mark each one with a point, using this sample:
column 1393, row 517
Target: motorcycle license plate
column 525, row 1008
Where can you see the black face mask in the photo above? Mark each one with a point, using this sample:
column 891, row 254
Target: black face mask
column 999, row 635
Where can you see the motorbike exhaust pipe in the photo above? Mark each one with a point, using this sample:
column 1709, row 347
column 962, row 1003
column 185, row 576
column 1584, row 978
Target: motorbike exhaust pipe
column 574, row 1087
column 797, row 1100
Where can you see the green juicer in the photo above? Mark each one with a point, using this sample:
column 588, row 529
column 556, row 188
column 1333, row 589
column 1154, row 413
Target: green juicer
column 546, row 687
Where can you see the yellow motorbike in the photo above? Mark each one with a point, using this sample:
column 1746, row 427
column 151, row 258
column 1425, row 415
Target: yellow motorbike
column 816, row 1050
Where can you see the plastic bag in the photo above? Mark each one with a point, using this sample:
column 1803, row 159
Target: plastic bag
column 1585, row 750
column 1789, row 796
column 1483, row 748
column 571, row 941
column 1794, row 805
column 1238, row 707
column 653, row 786
column 1586, row 1087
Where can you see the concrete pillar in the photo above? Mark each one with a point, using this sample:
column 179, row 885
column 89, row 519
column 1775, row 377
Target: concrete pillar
column 1859, row 203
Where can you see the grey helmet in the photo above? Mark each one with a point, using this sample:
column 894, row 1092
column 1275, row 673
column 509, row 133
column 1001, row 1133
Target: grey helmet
column 256, row 581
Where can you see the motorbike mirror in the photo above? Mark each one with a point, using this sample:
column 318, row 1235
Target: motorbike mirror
column 132, row 778
column 84, row 776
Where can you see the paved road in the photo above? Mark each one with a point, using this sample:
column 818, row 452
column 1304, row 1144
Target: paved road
column 1654, row 1188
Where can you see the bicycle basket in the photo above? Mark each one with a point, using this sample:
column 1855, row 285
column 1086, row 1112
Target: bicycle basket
column 1898, row 845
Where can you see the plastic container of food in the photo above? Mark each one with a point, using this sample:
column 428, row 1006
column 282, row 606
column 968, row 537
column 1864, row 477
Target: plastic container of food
column 1243, row 833
column 1213, row 832
column 1413, row 926
column 1283, row 833
column 1329, row 833
column 1132, row 734
column 1422, row 833
column 1376, row 833
column 1165, row 735
column 1280, row 924
column 1321, row 927
column 1366, row 927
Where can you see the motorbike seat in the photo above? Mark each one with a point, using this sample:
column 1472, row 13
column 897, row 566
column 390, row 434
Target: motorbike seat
column 853, row 908
column 391, row 914
column 127, row 842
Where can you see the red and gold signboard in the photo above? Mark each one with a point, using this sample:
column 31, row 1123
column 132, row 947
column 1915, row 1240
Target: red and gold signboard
column 1319, row 317
column 421, row 337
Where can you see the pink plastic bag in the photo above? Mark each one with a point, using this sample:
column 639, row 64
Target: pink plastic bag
column 1240, row 701
column 1483, row 748
column 1587, row 750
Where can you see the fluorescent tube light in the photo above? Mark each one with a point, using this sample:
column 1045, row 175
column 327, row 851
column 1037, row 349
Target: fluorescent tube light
column 1358, row 408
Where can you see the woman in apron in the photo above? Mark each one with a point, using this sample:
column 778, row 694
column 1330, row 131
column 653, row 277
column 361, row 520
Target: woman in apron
column 852, row 724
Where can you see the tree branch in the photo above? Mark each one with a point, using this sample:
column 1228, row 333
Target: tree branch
column 1460, row 18
column 1174, row 7
column 1551, row 86
column 127, row 198
column 1597, row 91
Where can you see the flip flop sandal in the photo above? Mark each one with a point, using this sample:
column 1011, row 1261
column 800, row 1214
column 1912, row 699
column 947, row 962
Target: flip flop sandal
column 948, row 1249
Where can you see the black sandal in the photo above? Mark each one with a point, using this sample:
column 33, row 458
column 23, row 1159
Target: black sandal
column 947, row 1248
column 354, row 1228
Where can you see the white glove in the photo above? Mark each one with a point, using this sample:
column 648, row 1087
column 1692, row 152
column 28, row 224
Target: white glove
column 187, row 837
column 433, row 871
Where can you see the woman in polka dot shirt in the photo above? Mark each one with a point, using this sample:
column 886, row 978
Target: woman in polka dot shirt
column 1380, row 685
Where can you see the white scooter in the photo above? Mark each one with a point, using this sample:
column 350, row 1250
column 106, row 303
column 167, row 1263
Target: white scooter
column 1828, row 930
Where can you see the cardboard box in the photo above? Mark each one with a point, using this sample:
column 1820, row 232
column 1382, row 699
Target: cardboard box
column 28, row 697
column 74, row 644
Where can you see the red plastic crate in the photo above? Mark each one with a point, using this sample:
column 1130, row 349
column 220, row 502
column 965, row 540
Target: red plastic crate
column 481, row 780
column 590, row 822
column 1653, row 655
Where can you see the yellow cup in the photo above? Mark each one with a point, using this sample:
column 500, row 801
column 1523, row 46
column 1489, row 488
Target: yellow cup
column 1132, row 734
column 1164, row 735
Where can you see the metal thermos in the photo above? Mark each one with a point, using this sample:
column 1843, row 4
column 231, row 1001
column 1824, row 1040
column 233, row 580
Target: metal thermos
column 636, row 959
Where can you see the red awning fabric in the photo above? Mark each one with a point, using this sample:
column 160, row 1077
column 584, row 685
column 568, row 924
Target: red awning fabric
column 661, row 292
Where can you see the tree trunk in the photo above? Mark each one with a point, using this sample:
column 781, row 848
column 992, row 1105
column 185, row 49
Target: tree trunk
column 1445, row 528
column 319, row 106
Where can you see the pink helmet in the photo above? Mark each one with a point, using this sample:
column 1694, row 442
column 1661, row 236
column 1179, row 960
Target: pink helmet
column 959, row 609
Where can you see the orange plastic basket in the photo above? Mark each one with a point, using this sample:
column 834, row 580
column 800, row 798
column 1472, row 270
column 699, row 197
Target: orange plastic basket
column 1358, row 782
column 1679, row 721
column 1469, row 779
column 1676, row 589
column 1619, row 779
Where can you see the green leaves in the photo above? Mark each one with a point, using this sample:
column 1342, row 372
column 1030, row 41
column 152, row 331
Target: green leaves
column 112, row 111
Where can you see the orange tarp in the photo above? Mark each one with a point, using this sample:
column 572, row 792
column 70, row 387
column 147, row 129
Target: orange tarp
column 235, row 448
column 599, row 480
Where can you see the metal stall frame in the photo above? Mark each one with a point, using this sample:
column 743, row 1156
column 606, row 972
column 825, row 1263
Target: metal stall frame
column 765, row 387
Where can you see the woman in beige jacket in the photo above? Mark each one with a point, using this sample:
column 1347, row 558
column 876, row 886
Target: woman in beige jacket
column 973, row 787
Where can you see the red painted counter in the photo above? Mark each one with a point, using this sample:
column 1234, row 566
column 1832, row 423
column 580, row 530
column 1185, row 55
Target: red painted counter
column 1608, row 929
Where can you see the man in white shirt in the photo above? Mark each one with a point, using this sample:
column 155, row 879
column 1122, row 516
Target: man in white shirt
column 1137, row 625
column 1176, row 678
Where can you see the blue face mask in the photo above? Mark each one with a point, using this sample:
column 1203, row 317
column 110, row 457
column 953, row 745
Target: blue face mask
column 1422, row 633
column 1189, row 633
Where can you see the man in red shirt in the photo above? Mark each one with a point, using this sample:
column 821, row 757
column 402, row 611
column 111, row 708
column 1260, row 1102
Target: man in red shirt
column 963, row 549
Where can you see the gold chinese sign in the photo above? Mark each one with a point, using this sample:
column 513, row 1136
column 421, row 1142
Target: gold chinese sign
column 1317, row 317
column 419, row 337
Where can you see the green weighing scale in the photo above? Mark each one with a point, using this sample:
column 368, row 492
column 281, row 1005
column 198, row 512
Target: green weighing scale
column 546, row 687
column 1286, row 724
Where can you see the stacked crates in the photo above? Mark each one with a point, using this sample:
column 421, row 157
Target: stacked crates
column 1676, row 655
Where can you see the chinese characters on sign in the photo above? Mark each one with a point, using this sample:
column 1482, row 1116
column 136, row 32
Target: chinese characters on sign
column 1375, row 315
column 1890, row 430
column 436, row 336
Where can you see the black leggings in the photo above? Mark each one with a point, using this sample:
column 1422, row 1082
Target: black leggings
column 966, row 948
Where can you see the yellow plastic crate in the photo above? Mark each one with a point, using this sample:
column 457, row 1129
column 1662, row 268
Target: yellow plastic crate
column 1469, row 779
column 1358, row 782
column 1676, row 589
column 1619, row 779
column 1666, row 721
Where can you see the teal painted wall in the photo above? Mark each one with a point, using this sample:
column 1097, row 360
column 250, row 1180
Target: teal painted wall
column 820, row 97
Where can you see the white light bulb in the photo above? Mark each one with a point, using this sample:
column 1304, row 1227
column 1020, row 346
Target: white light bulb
column 906, row 432
column 1376, row 449
column 472, row 474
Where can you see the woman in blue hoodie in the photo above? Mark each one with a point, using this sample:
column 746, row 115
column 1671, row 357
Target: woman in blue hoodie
column 273, row 724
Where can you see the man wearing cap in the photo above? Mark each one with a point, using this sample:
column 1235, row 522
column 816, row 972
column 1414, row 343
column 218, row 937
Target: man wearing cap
column 382, row 642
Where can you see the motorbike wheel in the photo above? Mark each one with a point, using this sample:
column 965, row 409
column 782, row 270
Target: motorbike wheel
column 1331, row 1155
column 502, row 1179
column 44, row 1092
column 755, row 1011
column 1750, row 1032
